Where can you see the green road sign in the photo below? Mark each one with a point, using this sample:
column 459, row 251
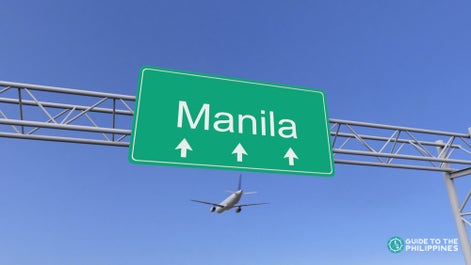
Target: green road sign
column 188, row 119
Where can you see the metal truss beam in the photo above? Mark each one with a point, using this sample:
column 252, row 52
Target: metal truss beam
column 65, row 115
column 370, row 144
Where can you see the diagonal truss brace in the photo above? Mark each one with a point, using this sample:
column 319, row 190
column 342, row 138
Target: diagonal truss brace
column 370, row 144
column 65, row 118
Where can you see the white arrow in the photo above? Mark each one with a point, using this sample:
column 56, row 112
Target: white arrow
column 239, row 150
column 291, row 155
column 183, row 146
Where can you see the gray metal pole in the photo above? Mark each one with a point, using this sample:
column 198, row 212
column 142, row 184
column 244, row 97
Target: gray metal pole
column 455, row 207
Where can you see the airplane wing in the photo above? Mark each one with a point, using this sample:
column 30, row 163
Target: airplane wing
column 210, row 203
column 250, row 204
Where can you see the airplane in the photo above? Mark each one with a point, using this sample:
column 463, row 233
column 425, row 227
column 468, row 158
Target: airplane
column 231, row 201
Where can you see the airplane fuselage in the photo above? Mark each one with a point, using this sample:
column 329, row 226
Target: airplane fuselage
column 228, row 203
column 231, row 201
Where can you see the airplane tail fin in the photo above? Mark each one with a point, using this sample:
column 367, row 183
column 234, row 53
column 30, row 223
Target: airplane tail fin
column 240, row 186
column 240, row 182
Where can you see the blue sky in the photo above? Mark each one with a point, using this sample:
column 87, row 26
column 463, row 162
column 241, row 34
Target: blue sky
column 403, row 63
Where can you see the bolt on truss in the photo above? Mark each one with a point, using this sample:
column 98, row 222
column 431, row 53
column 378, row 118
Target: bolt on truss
column 65, row 115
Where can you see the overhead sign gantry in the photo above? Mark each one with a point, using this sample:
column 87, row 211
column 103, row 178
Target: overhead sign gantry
column 48, row 113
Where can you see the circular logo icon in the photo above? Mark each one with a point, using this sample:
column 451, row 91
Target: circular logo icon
column 395, row 244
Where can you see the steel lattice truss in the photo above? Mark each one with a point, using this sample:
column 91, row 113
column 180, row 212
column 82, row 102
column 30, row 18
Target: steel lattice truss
column 65, row 115
column 369, row 144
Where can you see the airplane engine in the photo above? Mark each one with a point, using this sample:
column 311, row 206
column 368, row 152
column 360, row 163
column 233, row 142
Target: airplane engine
column 238, row 209
column 213, row 208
